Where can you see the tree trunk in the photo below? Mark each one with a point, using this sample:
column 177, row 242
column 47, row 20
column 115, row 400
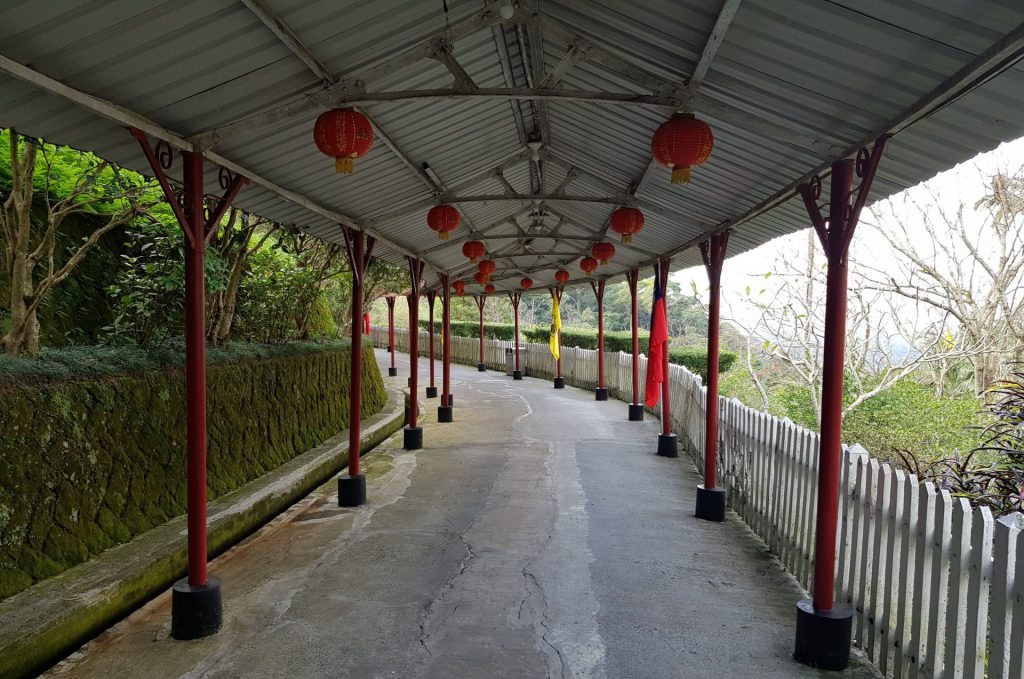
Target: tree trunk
column 23, row 335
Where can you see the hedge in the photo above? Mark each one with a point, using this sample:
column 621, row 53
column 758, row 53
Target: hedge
column 501, row 331
column 94, row 459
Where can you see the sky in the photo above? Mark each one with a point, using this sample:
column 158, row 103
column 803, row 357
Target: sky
column 962, row 183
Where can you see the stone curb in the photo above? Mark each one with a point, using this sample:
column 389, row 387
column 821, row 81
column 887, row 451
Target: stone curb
column 44, row 623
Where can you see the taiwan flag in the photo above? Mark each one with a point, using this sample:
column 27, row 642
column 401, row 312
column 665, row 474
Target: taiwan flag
column 659, row 346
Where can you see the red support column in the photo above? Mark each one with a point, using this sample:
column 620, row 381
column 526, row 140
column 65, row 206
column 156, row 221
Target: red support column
column 413, row 434
column 515, row 298
column 556, row 295
column 390, row 299
column 196, row 602
column 668, row 445
column 636, row 408
column 823, row 629
column 601, row 393
column 445, row 412
column 431, row 296
column 710, row 499
column 481, row 300
column 352, row 486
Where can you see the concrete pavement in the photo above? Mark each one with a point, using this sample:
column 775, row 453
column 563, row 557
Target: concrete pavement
column 536, row 536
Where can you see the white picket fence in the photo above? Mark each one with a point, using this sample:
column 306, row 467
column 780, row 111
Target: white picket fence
column 936, row 585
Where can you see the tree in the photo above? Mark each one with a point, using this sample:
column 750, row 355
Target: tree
column 70, row 183
column 968, row 265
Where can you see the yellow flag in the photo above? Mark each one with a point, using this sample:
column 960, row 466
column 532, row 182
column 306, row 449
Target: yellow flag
column 556, row 327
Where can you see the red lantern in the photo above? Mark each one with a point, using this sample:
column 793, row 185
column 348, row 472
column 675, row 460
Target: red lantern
column 459, row 287
column 626, row 221
column 603, row 252
column 474, row 249
column 680, row 143
column 489, row 289
column 344, row 134
column 487, row 267
column 444, row 219
column 561, row 276
column 588, row 264
column 526, row 283
column 481, row 277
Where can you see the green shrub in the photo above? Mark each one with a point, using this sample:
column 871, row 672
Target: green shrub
column 696, row 360
column 500, row 331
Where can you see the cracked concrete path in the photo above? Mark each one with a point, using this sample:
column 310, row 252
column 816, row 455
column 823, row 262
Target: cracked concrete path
column 537, row 536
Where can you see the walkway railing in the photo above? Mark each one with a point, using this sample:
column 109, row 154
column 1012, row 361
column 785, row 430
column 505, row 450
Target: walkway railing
column 936, row 585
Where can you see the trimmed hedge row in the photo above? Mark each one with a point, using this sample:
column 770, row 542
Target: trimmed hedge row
column 90, row 462
column 500, row 331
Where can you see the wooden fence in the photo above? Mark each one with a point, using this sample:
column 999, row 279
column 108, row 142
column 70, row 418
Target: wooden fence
column 935, row 584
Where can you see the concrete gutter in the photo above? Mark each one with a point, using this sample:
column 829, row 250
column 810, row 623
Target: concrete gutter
column 49, row 620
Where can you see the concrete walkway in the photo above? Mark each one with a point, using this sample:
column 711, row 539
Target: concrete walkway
column 537, row 536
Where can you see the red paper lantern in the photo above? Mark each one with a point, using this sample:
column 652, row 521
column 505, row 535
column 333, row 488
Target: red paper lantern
column 603, row 252
column 481, row 277
column 526, row 283
column 474, row 249
column 680, row 143
column 626, row 221
column 561, row 275
column 487, row 267
column 489, row 289
column 344, row 134
column 444, row 219
column 459, row 287
column 588, row 264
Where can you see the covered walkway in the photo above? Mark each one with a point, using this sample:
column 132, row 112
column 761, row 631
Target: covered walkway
column 537, row 536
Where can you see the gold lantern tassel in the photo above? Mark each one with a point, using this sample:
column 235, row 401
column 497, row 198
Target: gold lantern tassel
column 681, row 175
column 627, row 238
column 344, row 165
column 442, row 235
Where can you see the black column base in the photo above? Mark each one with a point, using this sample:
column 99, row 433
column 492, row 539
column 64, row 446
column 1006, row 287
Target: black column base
column 481, row 367
column 668, row 445
column 710, row 504
column 517, row 374
column 445, row 414
column 559, row 383
column 392, row 372
column 601, row 394
column 196, row 610
column 413, row 438
column 451, row 400
column 408, row 381
column 351, row 490
column 636, row 412
column 431, row 392
column 823, row 637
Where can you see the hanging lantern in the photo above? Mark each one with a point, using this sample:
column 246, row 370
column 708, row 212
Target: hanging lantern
column 561, row 276
column 526, row 283
column 481, row 278
column 489, row 289
column 626, row 221
column 603, row 252
column 487, row 267
column 459, row 287
column 474, row 249
column 344, row 134
column 444, row 219
column 588, row 264
column 680, row 143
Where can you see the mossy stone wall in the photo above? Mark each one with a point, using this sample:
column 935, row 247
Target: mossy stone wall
column 87, row 464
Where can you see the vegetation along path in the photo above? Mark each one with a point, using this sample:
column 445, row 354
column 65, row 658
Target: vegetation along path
column 537, row 536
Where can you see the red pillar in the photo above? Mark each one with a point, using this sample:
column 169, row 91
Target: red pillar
column 515, row 297
column 196, row 603
column 710, row 499
column 445, row 412
column 390, row 299
column 556, row 294
column 413, row 434
column 601, row 393
column 481, row 300
column 352, row 487
column 636, row 408
column 823, row 629
column 431, row 296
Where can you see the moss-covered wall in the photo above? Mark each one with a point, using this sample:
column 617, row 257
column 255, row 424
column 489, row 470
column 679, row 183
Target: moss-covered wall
column 87, row 464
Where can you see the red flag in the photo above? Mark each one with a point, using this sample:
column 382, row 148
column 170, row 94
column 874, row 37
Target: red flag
column 366, row 322
column 658, row 346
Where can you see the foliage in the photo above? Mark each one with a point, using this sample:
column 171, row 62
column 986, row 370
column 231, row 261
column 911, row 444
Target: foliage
column 500, row 331
column 1004, row 438
column 273, row 296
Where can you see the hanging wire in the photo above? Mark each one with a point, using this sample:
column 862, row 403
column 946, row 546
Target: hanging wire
column 447, row 36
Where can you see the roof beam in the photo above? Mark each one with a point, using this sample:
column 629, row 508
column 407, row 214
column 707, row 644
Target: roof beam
column 290, row 39
column 714, row 41
column 413, row 208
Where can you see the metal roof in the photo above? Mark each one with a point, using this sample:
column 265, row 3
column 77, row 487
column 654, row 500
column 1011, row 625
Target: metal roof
column 787, row 86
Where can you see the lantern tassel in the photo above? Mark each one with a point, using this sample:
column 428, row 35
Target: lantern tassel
column 627, row 238
column 681, row 175
column 442, row 235
column 344, row 165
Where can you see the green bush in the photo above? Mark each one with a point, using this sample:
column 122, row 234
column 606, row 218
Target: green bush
column 696, row 360
column 92, row 450
column 500, row 331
